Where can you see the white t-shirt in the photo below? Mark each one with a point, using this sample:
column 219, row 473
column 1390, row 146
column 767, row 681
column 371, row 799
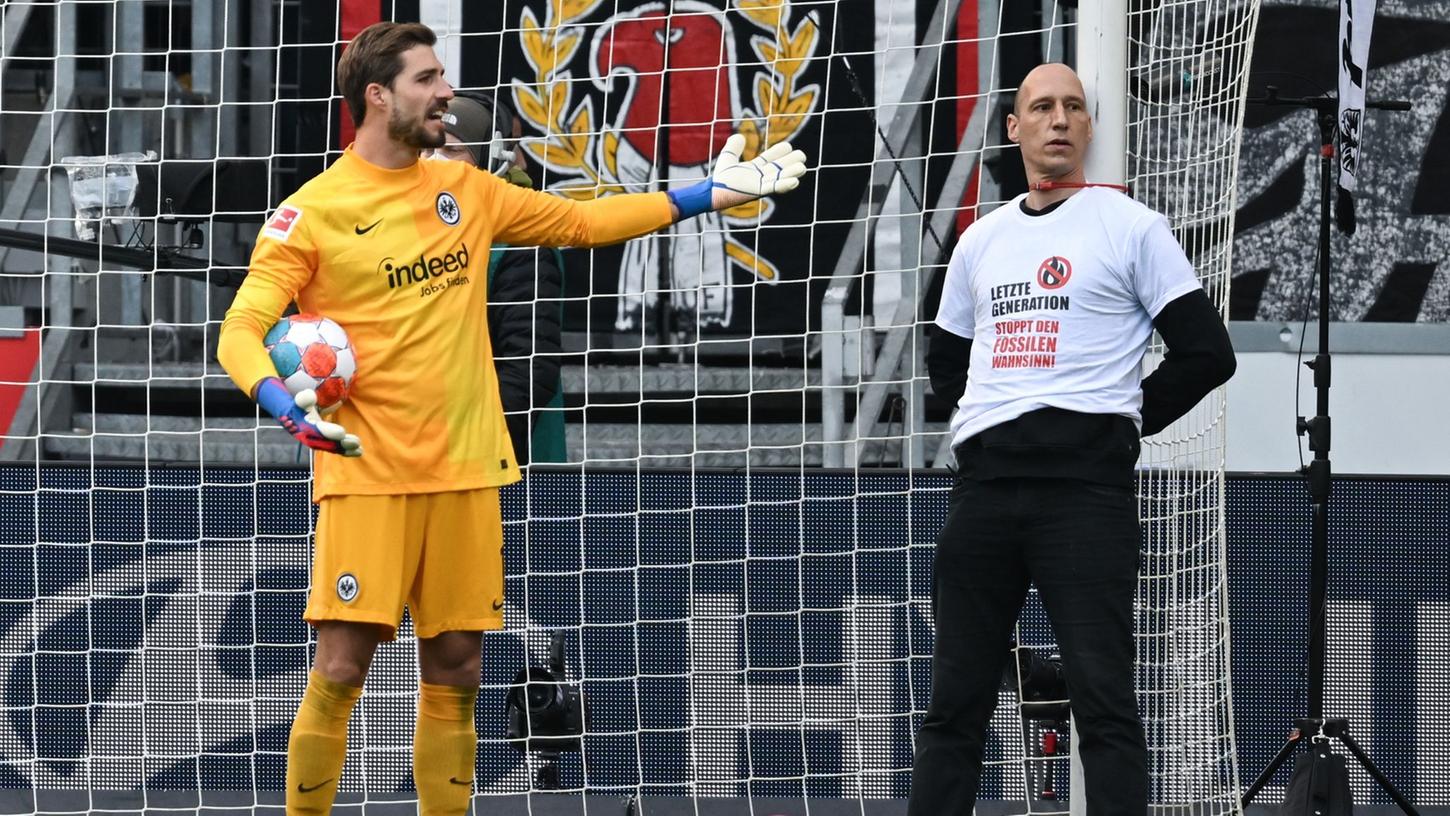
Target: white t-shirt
column 1059, row 307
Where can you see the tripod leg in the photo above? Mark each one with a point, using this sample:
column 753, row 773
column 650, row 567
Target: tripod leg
column 1274, row 765
column 1379, row 776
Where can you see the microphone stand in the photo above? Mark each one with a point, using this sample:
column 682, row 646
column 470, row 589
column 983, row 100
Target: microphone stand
column 1315, row 726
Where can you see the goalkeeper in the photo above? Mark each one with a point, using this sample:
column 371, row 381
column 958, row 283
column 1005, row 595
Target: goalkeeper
column 1046, row 311
column 396, row 250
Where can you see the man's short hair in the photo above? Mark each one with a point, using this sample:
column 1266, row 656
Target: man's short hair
column 376, row 55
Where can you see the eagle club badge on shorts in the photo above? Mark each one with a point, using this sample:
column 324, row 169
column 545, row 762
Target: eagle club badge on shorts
column 447, row 207
column 347, row 587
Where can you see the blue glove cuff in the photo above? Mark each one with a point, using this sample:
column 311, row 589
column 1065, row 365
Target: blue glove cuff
column 693, row 200
column 274, row 398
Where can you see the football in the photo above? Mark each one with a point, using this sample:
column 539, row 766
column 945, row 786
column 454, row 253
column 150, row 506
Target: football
column 311, row 351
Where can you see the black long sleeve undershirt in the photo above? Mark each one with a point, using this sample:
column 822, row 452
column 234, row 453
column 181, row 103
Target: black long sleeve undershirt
column 947, row 358
column 1199, row 358
column 948, row 354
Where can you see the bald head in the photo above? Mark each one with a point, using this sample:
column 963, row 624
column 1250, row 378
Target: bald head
column 1050, row 77
column 1050, row 122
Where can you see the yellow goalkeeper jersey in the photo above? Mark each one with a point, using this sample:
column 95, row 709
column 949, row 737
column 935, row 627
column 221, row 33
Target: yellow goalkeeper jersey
column 399, row 259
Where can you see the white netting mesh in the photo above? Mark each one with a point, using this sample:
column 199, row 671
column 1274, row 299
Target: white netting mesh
column 748, row 631
column 1187, row 79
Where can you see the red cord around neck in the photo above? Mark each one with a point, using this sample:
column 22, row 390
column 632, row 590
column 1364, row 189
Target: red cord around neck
column 1044, row 186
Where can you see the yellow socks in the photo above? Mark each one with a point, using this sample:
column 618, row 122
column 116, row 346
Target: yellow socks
column 318, row 745
column 444, row 745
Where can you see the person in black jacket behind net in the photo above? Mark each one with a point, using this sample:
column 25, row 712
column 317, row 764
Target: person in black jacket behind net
column 524, row 287
column 1046, row 311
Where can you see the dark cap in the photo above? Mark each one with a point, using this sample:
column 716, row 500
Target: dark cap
column 472, row 122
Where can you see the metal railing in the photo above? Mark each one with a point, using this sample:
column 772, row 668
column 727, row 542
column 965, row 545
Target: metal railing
column 840, row 380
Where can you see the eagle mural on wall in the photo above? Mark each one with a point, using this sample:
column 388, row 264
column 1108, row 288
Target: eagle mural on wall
column 682, row 97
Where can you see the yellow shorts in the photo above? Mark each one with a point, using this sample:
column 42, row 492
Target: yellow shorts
column 440, row 553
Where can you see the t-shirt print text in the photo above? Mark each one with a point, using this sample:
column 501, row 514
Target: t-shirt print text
column 1011, row 298
column 1025, row 343
column 1029, row 342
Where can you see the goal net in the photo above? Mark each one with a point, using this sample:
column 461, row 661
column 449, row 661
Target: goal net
column 734, row 530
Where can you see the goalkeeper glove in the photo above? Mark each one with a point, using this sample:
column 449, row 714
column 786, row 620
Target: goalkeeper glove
column 300, row 418
column 777, row 170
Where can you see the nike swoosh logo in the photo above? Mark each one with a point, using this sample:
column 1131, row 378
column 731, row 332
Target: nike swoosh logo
column 498, row 604
column 455, row 781
column 364, row 230
column 301, row 788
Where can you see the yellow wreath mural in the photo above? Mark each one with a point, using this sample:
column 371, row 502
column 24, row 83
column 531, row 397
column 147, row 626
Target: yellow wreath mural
column 548, row 48
column 784, row 108
column 781, row 105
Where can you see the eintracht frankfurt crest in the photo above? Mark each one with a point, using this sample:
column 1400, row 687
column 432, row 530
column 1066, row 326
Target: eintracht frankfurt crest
column 683, row 57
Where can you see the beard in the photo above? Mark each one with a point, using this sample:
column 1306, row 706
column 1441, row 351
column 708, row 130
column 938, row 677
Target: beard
column 413, row 133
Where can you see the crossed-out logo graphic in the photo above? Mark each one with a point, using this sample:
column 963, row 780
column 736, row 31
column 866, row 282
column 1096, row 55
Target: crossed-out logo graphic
column 424, row 270
column 681, row 69
column 1054, row 272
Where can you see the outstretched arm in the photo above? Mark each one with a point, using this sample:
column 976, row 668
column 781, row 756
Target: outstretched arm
column 531, row 218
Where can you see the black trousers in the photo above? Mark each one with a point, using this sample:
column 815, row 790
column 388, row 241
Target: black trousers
column 1078, row 543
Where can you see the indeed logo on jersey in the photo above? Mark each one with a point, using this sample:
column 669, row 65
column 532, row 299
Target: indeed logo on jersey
column 424, row 269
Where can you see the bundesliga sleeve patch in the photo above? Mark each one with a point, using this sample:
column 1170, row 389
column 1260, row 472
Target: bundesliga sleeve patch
column 282, row 222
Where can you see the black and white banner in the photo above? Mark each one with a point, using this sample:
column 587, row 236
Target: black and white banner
column 1356, row 22
column 1397, row 268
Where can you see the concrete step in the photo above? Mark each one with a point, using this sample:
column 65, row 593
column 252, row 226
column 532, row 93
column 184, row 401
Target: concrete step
column 678, row 379
column 133, row 437
column 159, row 375
column 115, row 436
column 696, row 445
column 242, row 440
column 672, row 379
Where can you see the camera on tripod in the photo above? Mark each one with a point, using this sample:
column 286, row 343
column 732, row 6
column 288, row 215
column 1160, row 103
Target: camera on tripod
column 1041, row 687
column 545, row 713
column 1043, row 684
